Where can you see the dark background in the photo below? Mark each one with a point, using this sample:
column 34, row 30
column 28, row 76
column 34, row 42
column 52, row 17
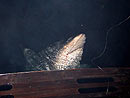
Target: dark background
column 35, row 24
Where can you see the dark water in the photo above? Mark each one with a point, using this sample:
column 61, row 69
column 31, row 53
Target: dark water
column 35, row 24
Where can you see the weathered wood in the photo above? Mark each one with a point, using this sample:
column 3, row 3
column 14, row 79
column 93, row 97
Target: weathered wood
column 67, row 83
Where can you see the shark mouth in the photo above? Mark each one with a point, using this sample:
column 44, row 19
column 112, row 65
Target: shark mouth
column 57, row 57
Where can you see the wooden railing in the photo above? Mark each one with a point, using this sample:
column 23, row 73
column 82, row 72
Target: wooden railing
column 77, row 83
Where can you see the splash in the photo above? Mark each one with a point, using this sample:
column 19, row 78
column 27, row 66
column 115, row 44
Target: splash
column 58, row 56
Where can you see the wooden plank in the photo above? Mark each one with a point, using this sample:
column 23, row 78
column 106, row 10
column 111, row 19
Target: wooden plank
column 41, row 84
column 55, row 75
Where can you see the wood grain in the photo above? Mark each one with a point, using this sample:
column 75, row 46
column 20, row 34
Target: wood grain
column 64, row 84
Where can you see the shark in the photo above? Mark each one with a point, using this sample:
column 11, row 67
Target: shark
column 68, row 56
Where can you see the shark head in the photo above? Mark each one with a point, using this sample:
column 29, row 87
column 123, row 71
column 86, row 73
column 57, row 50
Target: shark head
column 70, row 55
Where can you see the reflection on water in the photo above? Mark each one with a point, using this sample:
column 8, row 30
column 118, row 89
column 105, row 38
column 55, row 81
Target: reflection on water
column 57, row 57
